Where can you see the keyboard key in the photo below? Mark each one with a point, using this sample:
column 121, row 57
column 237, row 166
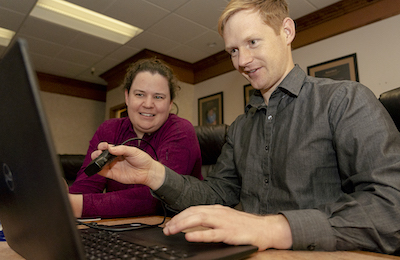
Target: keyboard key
column 107, row 245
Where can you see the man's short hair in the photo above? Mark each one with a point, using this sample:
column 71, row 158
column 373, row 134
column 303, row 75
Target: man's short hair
column 273, row 12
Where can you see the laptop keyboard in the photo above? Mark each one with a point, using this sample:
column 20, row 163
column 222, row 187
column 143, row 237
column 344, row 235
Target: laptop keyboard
column 101, row 244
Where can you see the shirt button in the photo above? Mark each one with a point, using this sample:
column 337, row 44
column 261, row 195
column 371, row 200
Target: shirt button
column 266, row 148
column 266, row 181
column 270, row 117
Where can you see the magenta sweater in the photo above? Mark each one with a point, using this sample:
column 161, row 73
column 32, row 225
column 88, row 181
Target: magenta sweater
column 177, row 148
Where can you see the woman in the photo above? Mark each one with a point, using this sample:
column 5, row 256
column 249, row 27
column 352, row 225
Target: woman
column 150, row 87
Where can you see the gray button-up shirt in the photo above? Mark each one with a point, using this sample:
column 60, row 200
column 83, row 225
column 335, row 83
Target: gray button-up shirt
column 324, row 153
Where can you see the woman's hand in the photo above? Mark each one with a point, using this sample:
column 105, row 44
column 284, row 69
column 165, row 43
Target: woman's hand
column 231, row 226
column 132, row 166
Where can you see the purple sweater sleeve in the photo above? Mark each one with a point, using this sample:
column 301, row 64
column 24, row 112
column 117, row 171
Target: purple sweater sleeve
column 176, row 146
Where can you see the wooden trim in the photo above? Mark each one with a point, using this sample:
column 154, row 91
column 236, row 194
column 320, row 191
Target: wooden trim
column 331, row 12
column 212, row 66
column 71, row 87
column 341, row 17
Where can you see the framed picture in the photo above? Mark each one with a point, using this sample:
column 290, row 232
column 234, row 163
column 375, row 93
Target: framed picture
column 211, row 109
column 248, row 90
column 118, row 111
column 343, row 68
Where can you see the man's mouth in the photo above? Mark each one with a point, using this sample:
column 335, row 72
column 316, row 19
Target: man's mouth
column 250, row 71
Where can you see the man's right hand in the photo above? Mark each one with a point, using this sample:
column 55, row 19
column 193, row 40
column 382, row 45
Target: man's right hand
column 132, row 166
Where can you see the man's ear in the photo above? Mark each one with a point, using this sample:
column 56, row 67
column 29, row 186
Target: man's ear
column 289, row 28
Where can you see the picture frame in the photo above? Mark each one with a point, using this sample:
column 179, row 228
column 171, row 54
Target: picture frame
column 343, row 68
column 248, row 91
column 210, row 109
column 119, row 111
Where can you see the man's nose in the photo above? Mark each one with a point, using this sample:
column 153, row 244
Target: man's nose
column 245, row 57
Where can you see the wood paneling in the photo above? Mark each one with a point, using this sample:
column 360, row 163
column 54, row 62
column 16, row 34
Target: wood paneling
column 71, row 87
column 341, row 17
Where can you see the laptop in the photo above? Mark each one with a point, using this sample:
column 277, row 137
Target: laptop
column 35, row 212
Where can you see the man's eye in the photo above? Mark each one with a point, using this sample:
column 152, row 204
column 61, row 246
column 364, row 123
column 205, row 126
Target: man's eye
column 159, row 97
column 234, row 52
column 139, row 95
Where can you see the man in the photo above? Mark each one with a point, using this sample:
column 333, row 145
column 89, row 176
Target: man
column 314, row 162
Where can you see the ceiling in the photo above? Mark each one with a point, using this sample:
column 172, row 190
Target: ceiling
column 182, row 29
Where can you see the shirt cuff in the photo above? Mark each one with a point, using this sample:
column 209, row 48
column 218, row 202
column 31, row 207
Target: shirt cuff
column 310, row 230
column 171, row 189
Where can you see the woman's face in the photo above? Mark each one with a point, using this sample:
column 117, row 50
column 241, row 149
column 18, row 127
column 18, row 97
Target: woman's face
column 148, row 102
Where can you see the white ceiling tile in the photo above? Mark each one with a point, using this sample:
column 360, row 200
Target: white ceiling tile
column 177, row 28
column 168, row 4
column 204, row 12
column 299, row 8
column 322, row 3
column 42, row 63
column 42, row 47
column 136, row 12
column 68, row 70
column 57, row 67
column 87, row 75
column 123, row 52
column 11, row 20
column 92, row 44
column 40, row 29
column 187, row 53
column 96, row 5
column 78, row 57
column 21, row 6
column 210, row 42
column 107, row 63
column 153, row 42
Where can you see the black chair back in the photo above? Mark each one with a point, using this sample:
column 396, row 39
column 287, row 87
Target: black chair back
column 391, row 101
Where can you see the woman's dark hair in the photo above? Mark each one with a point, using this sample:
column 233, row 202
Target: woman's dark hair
column 153, row 66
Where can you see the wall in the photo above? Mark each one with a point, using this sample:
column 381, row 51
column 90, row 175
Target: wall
column 185, row 99
column 231, row 84
column 378, row 56
column 72, row 121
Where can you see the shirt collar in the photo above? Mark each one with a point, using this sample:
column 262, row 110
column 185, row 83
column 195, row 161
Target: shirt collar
column 293, row 81
column 291, row 84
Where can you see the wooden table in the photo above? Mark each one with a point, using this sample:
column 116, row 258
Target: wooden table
column 7, row 253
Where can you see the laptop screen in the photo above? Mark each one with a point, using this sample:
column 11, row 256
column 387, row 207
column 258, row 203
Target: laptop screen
column 34, row 208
